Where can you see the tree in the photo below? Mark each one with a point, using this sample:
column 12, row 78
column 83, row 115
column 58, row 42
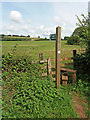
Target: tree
column 9, row 35
column 2, row 35
column 83, row 22
column 73, row 40
column 82, row 30
column 28, row 36
column 83, row 60
column 38, row 36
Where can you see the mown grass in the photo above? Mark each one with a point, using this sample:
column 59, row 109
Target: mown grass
column 33, row 48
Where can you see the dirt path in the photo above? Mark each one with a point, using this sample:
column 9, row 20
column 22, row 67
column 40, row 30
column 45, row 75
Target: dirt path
column 79, row 108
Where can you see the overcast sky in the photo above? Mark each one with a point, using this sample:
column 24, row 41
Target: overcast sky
column 40, row 18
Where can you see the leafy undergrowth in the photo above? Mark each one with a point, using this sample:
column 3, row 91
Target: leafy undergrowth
column 26, row 94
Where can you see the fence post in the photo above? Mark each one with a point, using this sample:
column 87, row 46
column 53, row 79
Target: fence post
column 58, row 46
column 74, row 77
column 49, row 72
column 74, row 54
column 40, row 56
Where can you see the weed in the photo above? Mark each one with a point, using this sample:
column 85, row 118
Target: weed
column 27, row 95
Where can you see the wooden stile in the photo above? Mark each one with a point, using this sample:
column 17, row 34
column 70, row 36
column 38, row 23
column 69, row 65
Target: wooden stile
column 58, row 66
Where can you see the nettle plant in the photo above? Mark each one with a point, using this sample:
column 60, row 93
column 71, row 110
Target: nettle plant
column 26, row 94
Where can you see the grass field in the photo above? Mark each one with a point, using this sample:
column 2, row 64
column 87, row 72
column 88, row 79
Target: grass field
column 33, row 48
column 25, row 93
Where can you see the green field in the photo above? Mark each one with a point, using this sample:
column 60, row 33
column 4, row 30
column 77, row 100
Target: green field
column 33, row 48
column 25, row 93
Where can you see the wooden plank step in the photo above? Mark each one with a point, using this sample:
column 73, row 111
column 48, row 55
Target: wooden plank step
column 68, row 70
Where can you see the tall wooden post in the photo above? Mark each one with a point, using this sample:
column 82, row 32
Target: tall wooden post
column 58, row 52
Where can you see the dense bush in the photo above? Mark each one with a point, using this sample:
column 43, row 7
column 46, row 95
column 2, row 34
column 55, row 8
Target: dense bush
column 73, row 40
column 26, row 94
column 82, row 63
column 66, row 37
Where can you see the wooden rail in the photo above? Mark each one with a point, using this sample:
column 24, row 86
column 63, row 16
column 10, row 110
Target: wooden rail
column 64, row 71
column 68, row 70
column 53, row 66
column 63, row 59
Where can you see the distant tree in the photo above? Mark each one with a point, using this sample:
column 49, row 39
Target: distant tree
column 22, row 36
column 9, row 35
column 28, row 36
column 16, row 35
column 38, row 36
column 2, row 35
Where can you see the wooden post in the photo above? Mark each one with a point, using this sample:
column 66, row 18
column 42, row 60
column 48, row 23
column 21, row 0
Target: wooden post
column 74, row 54
column 49, row 67
column 58, row 52
column 40, row 56
column 74, row 77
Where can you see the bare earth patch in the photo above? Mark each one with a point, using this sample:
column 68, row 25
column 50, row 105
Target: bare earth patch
column 79, row 108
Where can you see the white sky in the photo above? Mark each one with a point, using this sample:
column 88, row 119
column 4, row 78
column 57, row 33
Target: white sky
column 44, row 1
column 40, row 18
